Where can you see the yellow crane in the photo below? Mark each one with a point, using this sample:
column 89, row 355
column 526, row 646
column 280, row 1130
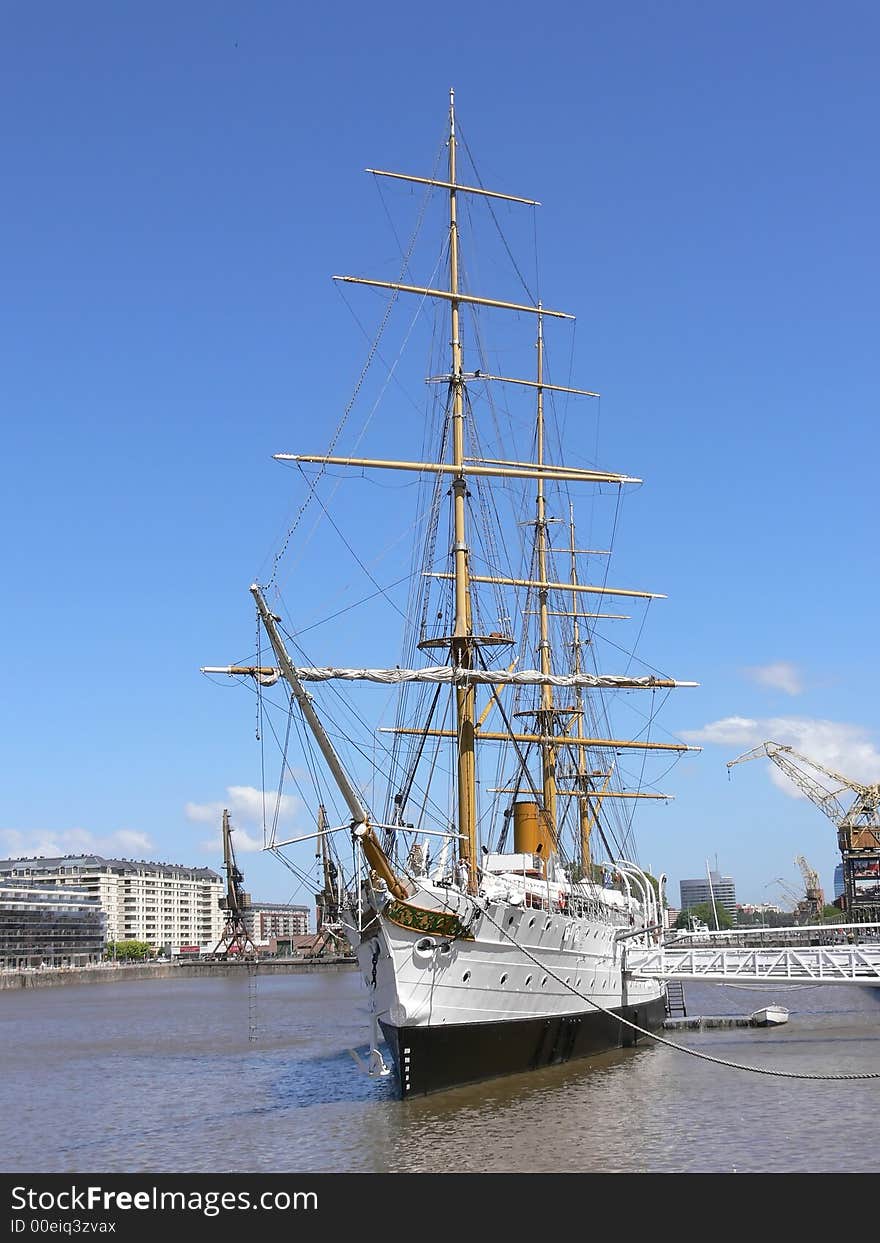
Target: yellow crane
column 813, row 902
column 857, row 822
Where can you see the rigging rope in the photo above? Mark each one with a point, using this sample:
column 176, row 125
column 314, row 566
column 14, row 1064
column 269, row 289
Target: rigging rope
column 392, row 301
column 479, row 179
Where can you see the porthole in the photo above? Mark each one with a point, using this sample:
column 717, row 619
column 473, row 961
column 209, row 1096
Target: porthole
column 510, row 921
column 532, row 922
column 504, row 978
column 528, row 980
column 544, row 981
column 465, row 977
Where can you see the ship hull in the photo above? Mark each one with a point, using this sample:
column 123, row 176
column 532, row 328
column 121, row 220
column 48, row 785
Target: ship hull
column 433, row 1059
column 468, row 988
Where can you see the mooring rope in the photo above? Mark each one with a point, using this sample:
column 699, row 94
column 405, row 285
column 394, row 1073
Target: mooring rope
column 671, row 1044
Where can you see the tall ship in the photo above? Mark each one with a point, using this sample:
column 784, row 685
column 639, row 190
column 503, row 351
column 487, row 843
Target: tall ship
column 477, row 849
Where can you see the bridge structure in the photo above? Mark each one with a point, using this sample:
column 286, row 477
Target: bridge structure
column 801, row 958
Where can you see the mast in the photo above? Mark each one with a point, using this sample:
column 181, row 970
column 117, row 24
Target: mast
column 465, row 697
column 712, row 897
column 548, row 752
column 463, row 641
column 585, row 820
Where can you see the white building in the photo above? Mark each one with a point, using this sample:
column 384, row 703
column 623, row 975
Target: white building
column 164, row 904
column 268, row 921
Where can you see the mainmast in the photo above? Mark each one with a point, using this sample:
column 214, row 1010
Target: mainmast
column 462, row 648
column 546, row 724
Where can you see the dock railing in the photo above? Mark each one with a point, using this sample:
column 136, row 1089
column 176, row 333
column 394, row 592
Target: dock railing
column 705, row 958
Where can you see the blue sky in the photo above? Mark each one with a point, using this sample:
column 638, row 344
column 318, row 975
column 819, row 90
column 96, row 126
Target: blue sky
column 181, row 182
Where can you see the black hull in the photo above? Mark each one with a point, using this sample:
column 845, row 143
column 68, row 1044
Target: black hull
column 431, row 1059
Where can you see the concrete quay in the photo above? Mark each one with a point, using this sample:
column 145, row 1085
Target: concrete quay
column 116, row 973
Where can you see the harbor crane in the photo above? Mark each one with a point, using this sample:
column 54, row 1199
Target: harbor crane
column 858, row 827
column 235, row 939
column 857, row 824
column 331, row 931
column 813, row 902
column 790, row 892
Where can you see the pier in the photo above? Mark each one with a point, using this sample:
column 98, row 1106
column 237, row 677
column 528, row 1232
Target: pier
column 808, row 954
column 708, row 1022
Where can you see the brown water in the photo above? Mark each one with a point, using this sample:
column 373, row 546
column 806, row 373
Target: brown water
column 161, row 1076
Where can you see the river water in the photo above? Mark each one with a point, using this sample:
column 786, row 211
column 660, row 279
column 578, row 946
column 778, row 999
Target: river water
column 161, row 1076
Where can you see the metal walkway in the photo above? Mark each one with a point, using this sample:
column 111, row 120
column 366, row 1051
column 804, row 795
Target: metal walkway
column 821, row 964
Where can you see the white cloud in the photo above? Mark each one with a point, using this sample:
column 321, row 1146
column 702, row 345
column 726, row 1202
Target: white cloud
column 245, row 805
column 848, row 749
column 782, row 676
column 204, row 813
column 242, row 843
column 729, row 731
column 128, row 843
column 133, row 840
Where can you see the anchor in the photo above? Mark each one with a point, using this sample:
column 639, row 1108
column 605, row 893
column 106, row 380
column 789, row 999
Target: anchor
column 375, row 1067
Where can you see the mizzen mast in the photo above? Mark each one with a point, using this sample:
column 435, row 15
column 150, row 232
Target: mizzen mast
column 585, row 819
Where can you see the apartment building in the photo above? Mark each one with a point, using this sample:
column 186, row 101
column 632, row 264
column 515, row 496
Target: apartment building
column 274, row 921
column 43, row 926
column 165, row 904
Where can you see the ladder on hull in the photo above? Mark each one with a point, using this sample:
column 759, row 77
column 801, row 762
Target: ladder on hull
column 675, row 1003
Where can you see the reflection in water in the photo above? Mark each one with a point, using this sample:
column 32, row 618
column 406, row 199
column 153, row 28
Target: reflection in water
column 154, row 1076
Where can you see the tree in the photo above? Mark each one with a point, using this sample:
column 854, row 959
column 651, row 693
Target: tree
column 705, row 913
column 128, row 951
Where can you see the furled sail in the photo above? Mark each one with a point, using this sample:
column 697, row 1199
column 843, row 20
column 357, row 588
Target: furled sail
column 455, row 676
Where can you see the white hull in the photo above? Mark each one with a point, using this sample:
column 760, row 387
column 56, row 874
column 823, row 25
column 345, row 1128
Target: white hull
column 522, row 965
